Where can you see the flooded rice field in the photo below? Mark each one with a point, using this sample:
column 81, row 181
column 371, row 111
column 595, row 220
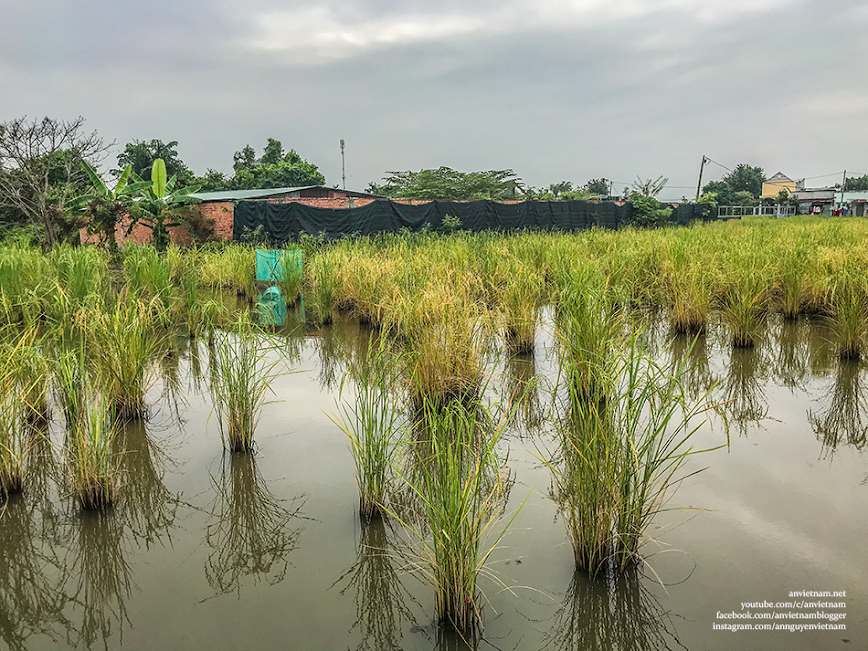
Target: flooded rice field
column 211, row 550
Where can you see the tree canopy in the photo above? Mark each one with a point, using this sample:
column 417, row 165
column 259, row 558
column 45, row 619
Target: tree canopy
column 743, row 179
column 275, row 169
column 449, row 184
column 141, row 154
column 856, row 184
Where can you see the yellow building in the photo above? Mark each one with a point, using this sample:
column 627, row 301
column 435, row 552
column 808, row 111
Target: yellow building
column 773, row 186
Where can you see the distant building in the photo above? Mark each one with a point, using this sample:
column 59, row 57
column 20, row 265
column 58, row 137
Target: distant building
column 772, row 187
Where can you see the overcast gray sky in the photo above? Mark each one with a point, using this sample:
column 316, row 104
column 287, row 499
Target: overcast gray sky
column 554, row 89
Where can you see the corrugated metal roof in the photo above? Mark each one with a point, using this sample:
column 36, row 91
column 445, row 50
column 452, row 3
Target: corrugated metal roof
column 240, row 195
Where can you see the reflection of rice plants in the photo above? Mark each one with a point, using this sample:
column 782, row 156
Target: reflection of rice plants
column 793, row 362
column 379, row 596
column 370, row 424
column 102, row 580
column 620, row 460
column 620, row 613
column 241, row 379
column 459, row 504
column 249, row 531
column 843, row 418
column 148, row 508
column 33, row 602
column 692, row 354
column 741, row 394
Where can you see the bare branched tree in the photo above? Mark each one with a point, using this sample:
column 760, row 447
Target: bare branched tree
column 40, row 165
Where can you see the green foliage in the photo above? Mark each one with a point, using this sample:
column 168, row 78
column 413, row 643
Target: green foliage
column 141, row 154
column 446, row 183
column 161, row 203
column 856, row 184
column 104, row 207
column 598, row 187
column 707, row 197
column 647, row 212
column 743, row 179
column 275, row 169
column 649, row 187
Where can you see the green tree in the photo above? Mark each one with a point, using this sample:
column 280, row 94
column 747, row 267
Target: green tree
column 722, row 190
column 104, row 207
column 649, row 187
column 746, row 178
column 213, row 181
column 598, row 187
column 244, row 159
column 557, row 189
column 275, row 169
column 856, row 184
column 647, row 211
column 160, row 203
column 141, row 154
column 449, row 184
column 745, row 198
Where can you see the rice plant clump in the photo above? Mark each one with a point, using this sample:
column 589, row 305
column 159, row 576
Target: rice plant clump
column 458, row 484
column 13, row 442
column 371, row 423
column 240, row 383
column 90, row 454
column 620, row 461
column 744, row 304
column 127, row 347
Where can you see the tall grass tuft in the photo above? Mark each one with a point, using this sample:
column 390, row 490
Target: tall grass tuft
column 847, row 312
column 13, row 442
column 459, row 504
column 127, row 347
column 370, row 424
column 744, row 304
column 619, row 460
column 241, row 380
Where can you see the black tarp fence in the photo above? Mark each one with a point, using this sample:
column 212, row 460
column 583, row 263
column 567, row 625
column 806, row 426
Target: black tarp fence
column 282, row 222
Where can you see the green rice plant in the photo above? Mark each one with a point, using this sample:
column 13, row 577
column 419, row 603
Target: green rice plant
column 82, row 272
column 589, row 330
column 126, row 347
column 148, row 274
column 90, row 454
column 241, row 380
column 13, row 441
column 459, row 504
column 847, row 314
column 323, row 287
column 370, row 423
column 521, row 299
column 293, row 276
column 689, row 288
column 744, row 303
column 619, row 462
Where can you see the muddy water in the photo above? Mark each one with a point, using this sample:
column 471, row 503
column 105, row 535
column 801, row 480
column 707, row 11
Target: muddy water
column 212, row 551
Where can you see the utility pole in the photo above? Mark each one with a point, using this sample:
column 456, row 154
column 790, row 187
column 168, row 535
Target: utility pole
column 701, row 168
column 343, row 165
column 843, row 185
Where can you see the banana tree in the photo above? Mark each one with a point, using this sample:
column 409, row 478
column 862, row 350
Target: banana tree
column 104, row 207
column 161, row 206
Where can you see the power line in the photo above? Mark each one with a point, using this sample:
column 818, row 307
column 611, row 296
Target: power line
column 716, row 163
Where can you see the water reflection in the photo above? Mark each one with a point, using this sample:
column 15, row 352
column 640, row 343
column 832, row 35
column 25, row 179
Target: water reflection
column 148, row 508
column 342, row 347
column 31, row 580
column 691, row 352
column 101, row 579
column 844, row 417
column 521, row 390
column 380, row 598
column 742, row 390
column 792, row 364
column 249, row 531
column 611, row 615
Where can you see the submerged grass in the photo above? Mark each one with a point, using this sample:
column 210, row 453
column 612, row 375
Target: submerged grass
column 241, row 381
column 459, row 504
column 371, row 424
column 620, row 458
